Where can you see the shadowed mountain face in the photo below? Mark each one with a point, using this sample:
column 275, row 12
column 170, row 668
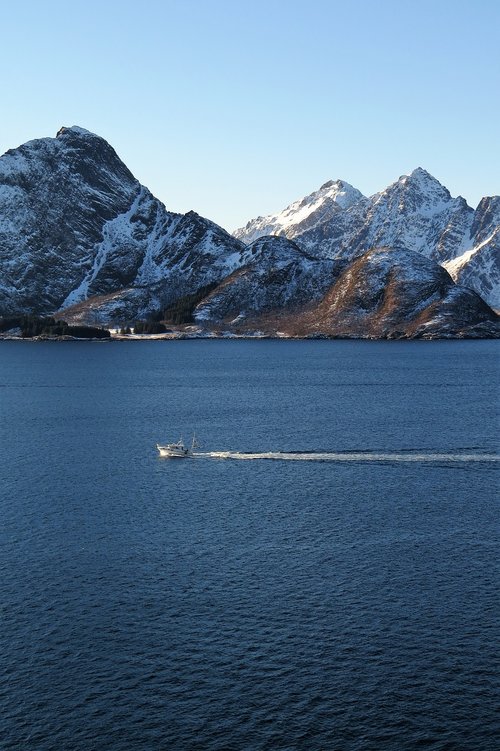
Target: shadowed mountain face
column 275, row 276
column 75, row 223
column 80, row 236
column 396, row 293
column 416, row 212
column 385, row 293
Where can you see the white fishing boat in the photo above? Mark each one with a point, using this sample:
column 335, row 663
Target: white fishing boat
column 177, row 450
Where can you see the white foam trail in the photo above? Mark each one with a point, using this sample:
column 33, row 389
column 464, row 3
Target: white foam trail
column 352, row 456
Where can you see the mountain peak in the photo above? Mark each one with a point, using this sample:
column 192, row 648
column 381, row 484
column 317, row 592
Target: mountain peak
column 418, row 176
column 417, row 188
column 341, row 192
column 73, row 130
column 420, row 172
column 334, row 184
column 421, row 179
column 331, row 197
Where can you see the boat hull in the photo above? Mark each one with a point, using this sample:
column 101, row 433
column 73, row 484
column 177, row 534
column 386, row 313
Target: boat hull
column 168, row 452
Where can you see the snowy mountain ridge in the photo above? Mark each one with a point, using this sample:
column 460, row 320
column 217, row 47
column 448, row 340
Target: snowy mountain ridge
column 415, row 212
column 304, row 213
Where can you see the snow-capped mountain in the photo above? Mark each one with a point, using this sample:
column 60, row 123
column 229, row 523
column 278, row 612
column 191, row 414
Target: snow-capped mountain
column 418, row 213
column 82, row 238
column 76, row 224
column 303, row 214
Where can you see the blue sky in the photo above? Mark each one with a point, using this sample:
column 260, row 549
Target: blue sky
column 234, row 109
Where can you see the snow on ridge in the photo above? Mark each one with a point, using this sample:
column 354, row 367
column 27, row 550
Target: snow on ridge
column 11, row 164
column 422, row 184
column 114, row 227
column 331, row 196
column 149, row 271
column 18, row 160
column 76, row 129
column 454, row 266
column 338, row 209
column 478, row 268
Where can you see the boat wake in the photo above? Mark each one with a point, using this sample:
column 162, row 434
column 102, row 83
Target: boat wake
column 351, row 456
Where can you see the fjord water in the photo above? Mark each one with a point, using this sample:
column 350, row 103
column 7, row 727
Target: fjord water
column 208, row 603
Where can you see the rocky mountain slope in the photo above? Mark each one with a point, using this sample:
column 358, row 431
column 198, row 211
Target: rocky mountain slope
column 397, row 293
column 384, row 293
column 275, row 276
column 82, row 239
column 76, row 224
column 416, row 212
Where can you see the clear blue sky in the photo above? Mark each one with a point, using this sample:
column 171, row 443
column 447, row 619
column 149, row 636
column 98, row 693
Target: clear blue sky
column 234, row 109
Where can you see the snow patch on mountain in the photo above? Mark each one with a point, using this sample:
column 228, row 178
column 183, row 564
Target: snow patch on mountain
column 418, row 213
column 116, row 232
column 479, row 268
column 456, row 264
column 397, row 293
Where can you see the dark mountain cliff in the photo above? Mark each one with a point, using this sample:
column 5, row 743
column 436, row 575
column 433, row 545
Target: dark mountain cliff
column 75, row 223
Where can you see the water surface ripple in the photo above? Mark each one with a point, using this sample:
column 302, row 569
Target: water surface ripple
column 342, row 600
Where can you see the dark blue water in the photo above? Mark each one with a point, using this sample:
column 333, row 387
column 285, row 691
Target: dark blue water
column 218, row 604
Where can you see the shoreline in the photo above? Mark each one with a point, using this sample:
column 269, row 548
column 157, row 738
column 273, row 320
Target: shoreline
column 241, row 337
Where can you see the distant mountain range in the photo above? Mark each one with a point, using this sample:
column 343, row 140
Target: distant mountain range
column 416, row 212
column 81, row 238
